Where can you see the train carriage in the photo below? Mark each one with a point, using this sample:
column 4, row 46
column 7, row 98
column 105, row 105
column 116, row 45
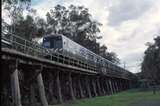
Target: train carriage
column 60, row 42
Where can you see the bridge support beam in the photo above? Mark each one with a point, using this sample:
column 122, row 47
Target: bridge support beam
column 41, row 90
column 99, row 87
column 88, row 88
column 71, row 87
column 103, row 88
column 119, row 88
column 116, row 86
column 121, row 85
column 107, row 87
column 59, row 87
column 15, row 87
column 32, row 95
column 80, row 87
column 111, row 88
column 94, row 87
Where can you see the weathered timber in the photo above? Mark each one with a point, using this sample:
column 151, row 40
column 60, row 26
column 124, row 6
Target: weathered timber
column 59, row 88
column 94, row 87
column 41, row 90
column 103, row 89
column 68, row 82
column 111, row 88
column 32, row 95
column 116, row 86
column 71, row 86
column 107, row 86
column 88, row 87
column 15, row 88
column 99, row 87
column 80, row 87
column 42, row 60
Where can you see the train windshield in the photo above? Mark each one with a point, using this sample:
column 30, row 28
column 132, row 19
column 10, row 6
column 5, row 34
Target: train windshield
column 53, row 42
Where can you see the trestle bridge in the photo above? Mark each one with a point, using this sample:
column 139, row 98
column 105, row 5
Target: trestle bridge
column 33, row 76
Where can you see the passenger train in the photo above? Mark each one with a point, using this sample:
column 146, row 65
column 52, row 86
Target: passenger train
column 61, row 42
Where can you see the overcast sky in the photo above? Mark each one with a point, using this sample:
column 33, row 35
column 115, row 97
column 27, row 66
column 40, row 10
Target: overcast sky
column 127, row 24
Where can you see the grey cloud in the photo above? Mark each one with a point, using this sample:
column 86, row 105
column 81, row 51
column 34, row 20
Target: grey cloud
column 133, row 61
column 128, row 10
column 128, row 37
column 134, row 56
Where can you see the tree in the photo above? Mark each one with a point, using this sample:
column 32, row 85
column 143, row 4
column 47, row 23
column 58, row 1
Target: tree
column 75, row 23
column 18, row 23
column 25, row 28
column 151, row 62
column 15, row 8
column 111, row 56
column 29, row 28
column 41, row 27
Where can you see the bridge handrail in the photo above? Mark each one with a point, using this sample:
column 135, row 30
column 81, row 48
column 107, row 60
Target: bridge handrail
column 37, row 49
column 33, row 48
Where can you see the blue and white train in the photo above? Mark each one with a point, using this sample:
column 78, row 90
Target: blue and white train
column 61, row 42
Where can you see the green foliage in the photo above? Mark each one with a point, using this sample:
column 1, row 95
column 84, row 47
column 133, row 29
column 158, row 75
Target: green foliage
column 28, row 27
column 75, row 23
column 15, row 8
column 151, row 62
column 111, row 56
column 25, row 27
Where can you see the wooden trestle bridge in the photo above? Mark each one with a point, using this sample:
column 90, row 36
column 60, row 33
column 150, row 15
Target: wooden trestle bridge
column 31, row 79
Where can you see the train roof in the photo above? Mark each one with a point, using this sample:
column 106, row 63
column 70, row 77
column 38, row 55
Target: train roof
column 52, row 35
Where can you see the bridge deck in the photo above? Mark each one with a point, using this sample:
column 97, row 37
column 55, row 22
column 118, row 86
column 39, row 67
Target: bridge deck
column 23, row 48
column 42, row 60
column 50, row 64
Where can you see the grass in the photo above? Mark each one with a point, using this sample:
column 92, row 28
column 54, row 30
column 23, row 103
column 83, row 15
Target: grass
column 125, row 98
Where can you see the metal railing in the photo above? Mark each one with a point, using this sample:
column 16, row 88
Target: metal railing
column 32, row 48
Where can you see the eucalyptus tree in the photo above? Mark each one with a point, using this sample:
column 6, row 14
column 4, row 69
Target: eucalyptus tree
column 15, row 8
column 111, row 56
column 151, row 62
column 76, row 23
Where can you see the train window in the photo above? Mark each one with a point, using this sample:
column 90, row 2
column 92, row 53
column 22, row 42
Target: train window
column 46, row 44
column 97, row 60
column 90, row 56
column 57, row 44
